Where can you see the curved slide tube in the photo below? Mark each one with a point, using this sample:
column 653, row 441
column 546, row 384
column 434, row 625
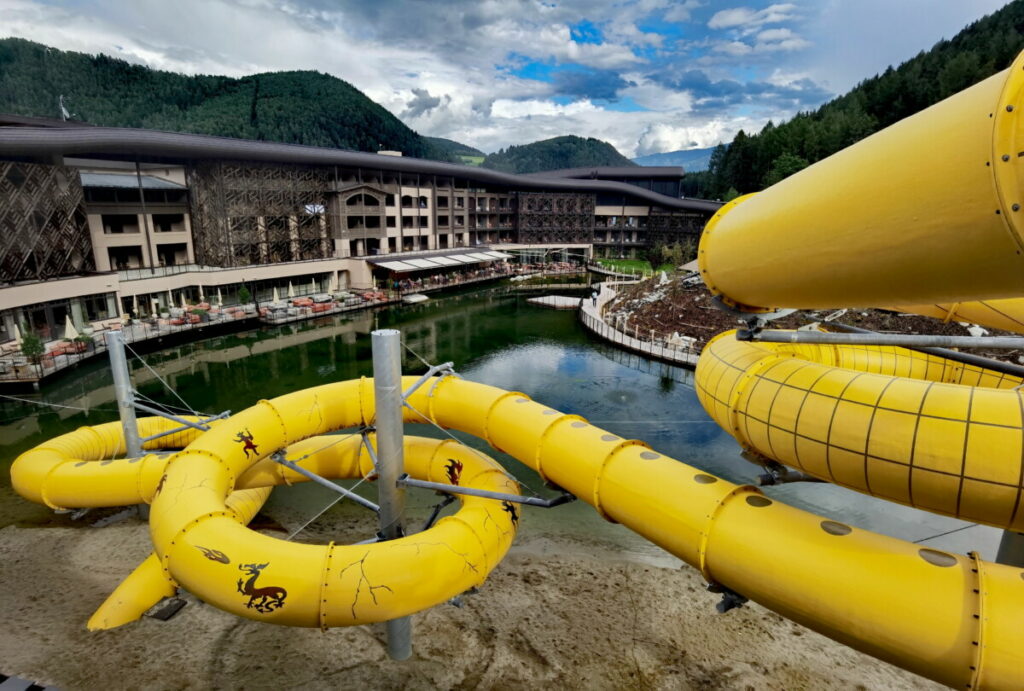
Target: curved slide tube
column 947, row 617
column 148, row 584
column 897, row 424
column 84, row 469
column 928, row 210
column 282, row 582
column 124, row 481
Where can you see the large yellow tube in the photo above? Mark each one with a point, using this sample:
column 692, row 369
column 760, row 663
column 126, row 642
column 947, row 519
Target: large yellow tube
column 897, row 424
column 927, row 210
column 946, row 617
column 950, row 618
column 1007, row 315
column 73, row 470
column 295, row 584
column 66, row 469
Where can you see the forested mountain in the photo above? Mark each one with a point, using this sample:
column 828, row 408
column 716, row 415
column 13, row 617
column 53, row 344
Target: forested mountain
column 461, row 152
column 753, row 162
column 294, row 107
column 692, row 160
column 552, row 154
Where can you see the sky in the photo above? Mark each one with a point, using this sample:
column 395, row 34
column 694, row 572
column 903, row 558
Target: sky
column 646, row 75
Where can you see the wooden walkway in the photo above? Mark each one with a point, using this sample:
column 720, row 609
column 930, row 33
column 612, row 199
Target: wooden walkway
column 591, row 316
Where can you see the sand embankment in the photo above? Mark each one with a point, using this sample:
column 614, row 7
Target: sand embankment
column 558, row 610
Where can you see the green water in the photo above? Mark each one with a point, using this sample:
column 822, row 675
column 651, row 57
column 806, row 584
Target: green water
column 493, row 337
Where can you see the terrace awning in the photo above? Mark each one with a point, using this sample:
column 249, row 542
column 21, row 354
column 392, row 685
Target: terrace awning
column 405, row 264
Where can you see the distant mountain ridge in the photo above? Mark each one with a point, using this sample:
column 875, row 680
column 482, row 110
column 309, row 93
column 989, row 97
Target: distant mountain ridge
column 692, row 160
column 301, row 107
column 568, row 151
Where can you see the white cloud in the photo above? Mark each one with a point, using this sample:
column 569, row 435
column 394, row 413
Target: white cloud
column 750, row 19
column 681, row 11
column 734, row 48
column 775, row 35
column 654, row 97
column 660, row 137
column 445, row 69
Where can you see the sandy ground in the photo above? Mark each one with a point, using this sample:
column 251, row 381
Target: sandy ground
column 559, row 610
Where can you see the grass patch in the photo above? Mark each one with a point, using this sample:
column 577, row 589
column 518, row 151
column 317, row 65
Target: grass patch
column 632, row 265
column 472, row 160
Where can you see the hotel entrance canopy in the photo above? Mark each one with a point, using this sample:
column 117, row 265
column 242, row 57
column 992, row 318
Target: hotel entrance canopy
column 436, row 261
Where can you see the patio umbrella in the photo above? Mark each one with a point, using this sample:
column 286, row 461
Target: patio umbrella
column 135, row 305
column 17, row 334
column 277, row 298
column 70, row 332
column 156, row 308
column 220, row 300
column 184, row 303
column 202, row 298
column 312, row 285
column 291, row 291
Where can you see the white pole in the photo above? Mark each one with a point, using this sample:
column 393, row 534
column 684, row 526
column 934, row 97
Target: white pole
column 123, row 394
column 387, row 388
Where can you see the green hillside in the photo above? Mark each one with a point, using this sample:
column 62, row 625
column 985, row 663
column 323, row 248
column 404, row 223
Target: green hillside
column 454, row 147
column 753, row 162
column 294, row 107
column 460, row 153
column 553, row 154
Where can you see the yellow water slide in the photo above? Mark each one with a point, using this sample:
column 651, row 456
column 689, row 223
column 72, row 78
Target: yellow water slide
column 925, row 212
column 928, row 216
column 1007, row 315
column 898, row 424
column 944, row 616
column 929, row 210
column 80, row 469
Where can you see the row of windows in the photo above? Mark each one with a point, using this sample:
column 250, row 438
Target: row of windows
column 481, row 204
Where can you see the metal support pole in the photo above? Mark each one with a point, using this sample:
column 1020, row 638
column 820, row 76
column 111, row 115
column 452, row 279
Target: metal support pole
column 444, row 367
column 387, row 389
column 880, row 339
column 123, row 394
column 966, row 358
column 366, row 503
column 407, row 481
column 200, row 424
column 170, row 416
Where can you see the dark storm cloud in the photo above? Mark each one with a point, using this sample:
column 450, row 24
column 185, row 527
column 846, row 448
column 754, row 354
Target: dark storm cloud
column 711, row 96
column 422, row 102
column 588, row 83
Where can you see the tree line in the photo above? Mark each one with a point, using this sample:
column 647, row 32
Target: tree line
column 552, row 154
column 306, row 107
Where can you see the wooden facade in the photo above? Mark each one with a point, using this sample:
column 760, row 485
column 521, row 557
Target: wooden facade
column 44, row 232
column 245, row 214
column 555, row 217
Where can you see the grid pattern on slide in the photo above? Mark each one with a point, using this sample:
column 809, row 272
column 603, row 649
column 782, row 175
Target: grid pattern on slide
column 905, row 426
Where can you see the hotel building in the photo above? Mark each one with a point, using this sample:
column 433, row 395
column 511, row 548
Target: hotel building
column 99, row 222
